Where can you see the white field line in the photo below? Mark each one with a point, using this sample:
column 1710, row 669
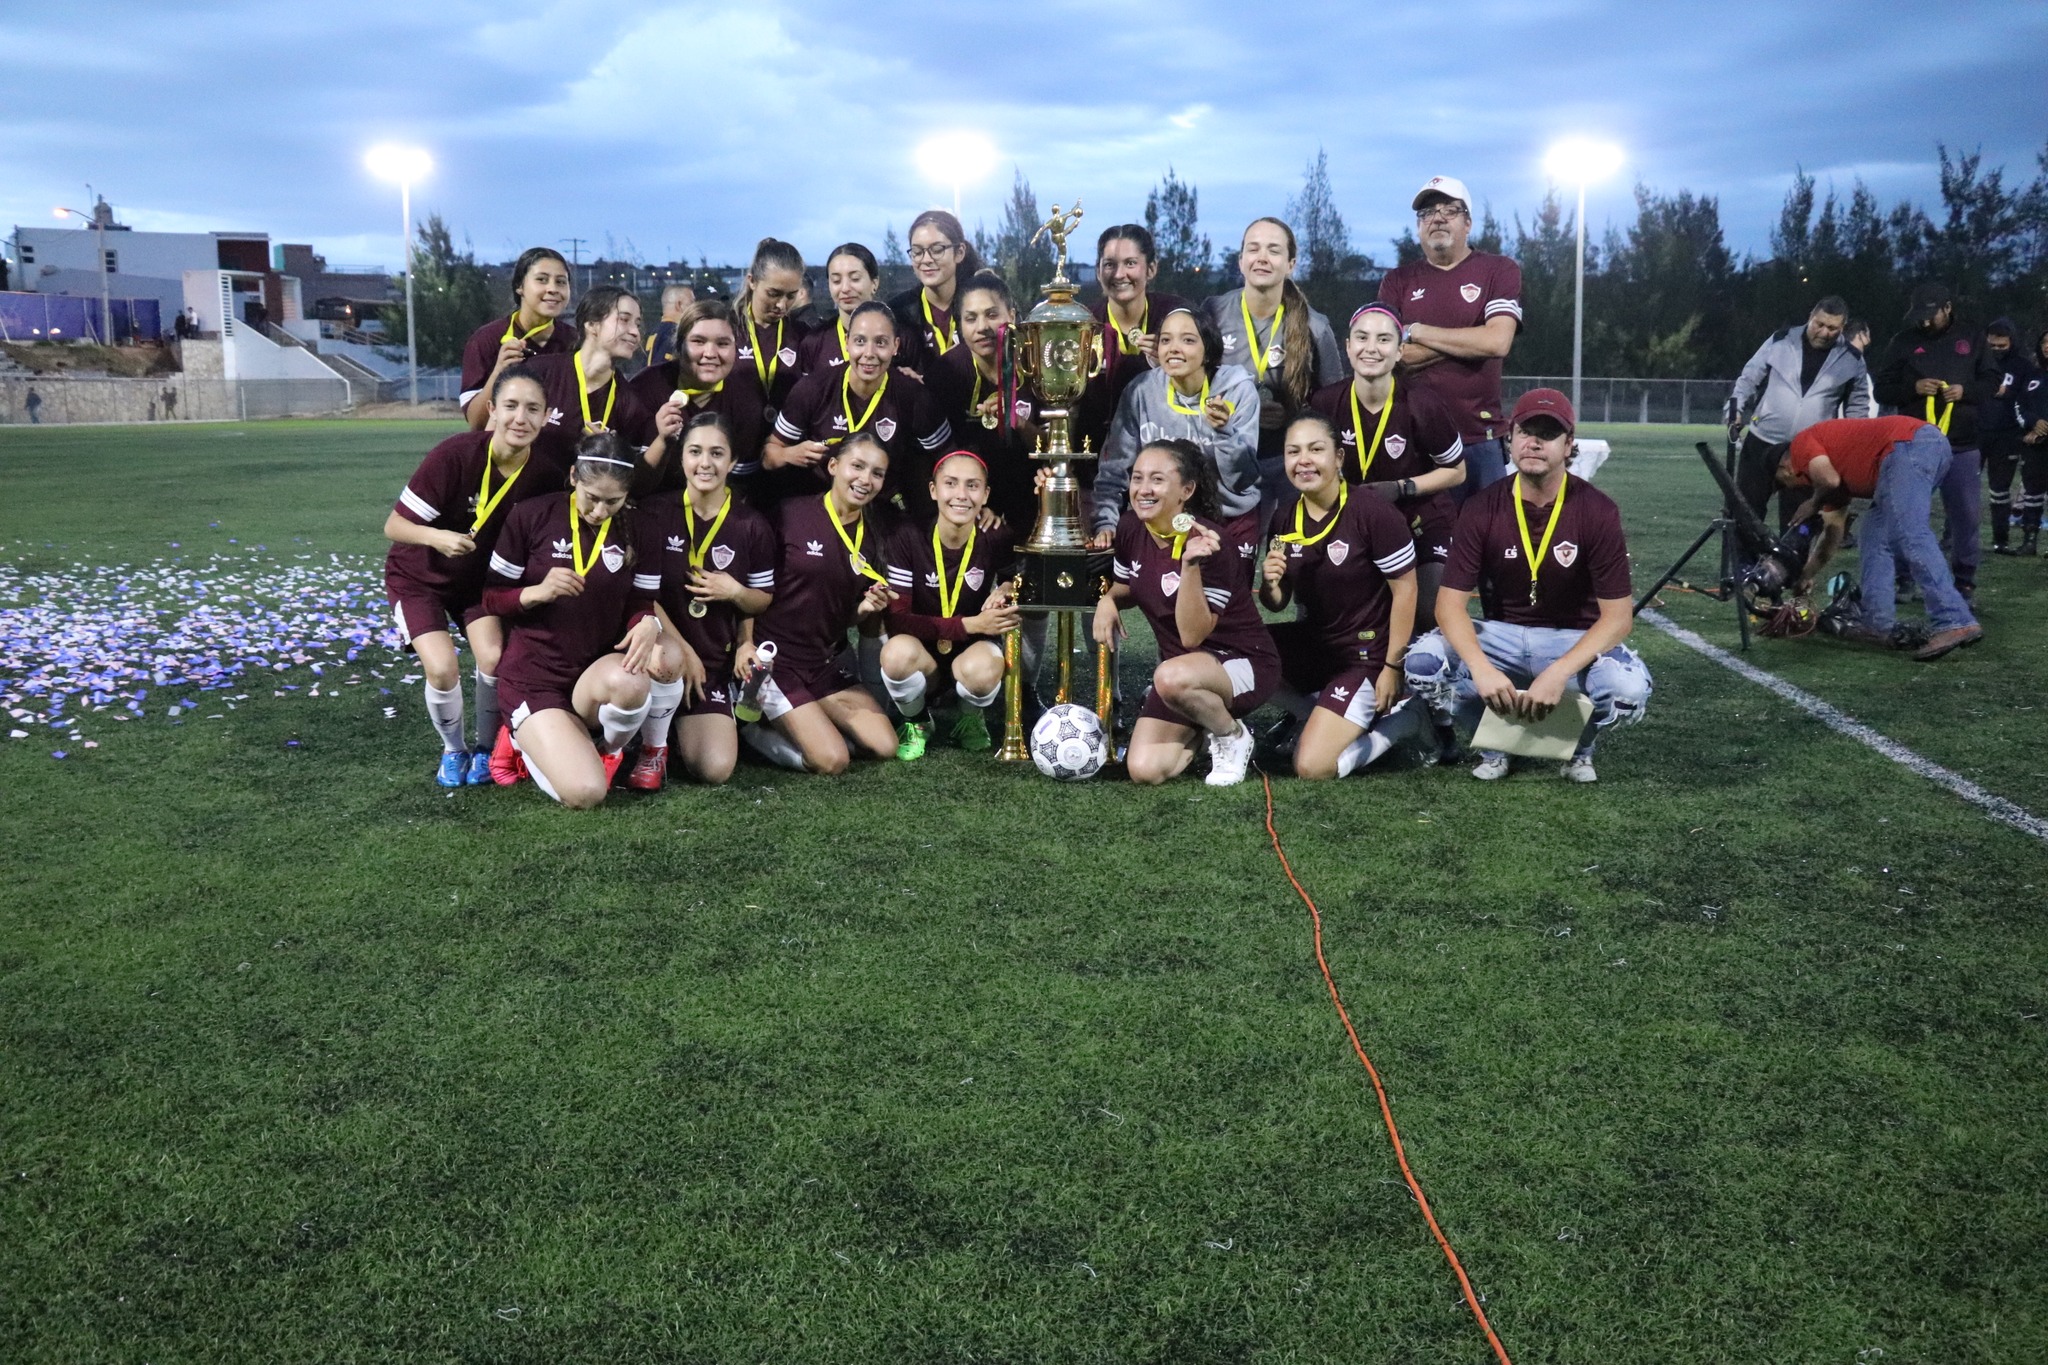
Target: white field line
column 1993, row 805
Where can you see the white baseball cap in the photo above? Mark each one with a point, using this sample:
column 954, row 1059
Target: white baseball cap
column 1444, row 185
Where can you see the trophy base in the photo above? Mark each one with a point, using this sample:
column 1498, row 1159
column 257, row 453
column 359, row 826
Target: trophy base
column 1061, row 579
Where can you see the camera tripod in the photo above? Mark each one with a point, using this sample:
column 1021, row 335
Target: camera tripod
column 1739, row 529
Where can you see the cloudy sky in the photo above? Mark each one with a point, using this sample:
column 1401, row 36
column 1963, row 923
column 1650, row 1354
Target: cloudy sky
column 676, row 130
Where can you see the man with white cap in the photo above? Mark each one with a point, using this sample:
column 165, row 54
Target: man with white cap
column 1460, row 311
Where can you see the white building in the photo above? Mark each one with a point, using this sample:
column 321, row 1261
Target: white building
column 143, row 265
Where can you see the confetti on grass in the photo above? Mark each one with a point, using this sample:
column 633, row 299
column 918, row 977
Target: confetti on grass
column 100, row 640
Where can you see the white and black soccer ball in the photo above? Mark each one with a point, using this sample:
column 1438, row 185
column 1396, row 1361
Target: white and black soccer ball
column 1068, row 743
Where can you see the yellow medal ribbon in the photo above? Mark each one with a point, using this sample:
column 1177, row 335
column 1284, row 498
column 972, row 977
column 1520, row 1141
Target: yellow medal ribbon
column 1946, row 413
column 1124, row 343
column 697, row 552
column 1251, row 336
column 1299, row 535
column 583, row 396
column 944, row 340
column 853, row 542
column 584, row 566
column 949, row 604
column 842, row 338
column 487, row 501
column 692, row 395
column 1522, row 524
column 767, row 375
column 1358, row 429
column 846, row 400
column 512, row 332
column 1173, row 398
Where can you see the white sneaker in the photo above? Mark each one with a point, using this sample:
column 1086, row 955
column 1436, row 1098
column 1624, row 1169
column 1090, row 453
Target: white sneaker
column 1492, row 767
column 1580, row 769
column 1229, row 755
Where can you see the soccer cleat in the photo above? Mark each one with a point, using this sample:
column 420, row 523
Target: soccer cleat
column 479, row 774
column 911, row 737
column 508, row 765
column 2030, row 543
column 1942, row 641
column 970, row 730
column 649, row 770
column 454, row 766
column 1579, row 769
column 1229, row 755
column 611, row 765
column 1491, row 767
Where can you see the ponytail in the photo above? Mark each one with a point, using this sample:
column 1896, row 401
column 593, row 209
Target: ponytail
column 770, row 253
column 1297, row 338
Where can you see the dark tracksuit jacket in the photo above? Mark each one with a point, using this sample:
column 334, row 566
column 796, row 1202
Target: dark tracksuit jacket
column 1957, row 356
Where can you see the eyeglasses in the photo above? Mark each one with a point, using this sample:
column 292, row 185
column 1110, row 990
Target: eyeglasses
column 932, row 253
column 1449, row 208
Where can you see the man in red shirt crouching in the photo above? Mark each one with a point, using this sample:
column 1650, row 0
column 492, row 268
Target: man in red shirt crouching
column 1896, row 462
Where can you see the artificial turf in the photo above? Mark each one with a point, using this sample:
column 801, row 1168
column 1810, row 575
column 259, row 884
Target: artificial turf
column 1734, row 1056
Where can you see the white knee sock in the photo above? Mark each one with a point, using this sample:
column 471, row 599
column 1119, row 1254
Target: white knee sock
column 907, row 693
column 981, row 699
column 487, row 718
column 540, row 779
column 618, row 725
column 662, row 700
column 445, row 710
column 1362, row 751
column 774, row 746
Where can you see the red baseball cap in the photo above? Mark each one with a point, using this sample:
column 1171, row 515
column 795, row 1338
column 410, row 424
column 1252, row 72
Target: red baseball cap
column 1545, row 403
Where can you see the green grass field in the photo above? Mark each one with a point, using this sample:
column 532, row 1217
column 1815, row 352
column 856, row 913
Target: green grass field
column 1735, row 1056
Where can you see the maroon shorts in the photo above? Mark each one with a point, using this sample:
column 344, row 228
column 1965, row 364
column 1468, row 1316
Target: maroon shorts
column 1308, row 664
column 517, row 700
column 800, row 684
column 421, row 610
column 1430, row 522
column 716, row 701
column 1252, row 681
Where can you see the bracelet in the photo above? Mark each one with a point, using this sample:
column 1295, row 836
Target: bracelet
column 1407, row 333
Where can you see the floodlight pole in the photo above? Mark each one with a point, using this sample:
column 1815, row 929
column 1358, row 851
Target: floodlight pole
column 412, row 347
column 1579, row 302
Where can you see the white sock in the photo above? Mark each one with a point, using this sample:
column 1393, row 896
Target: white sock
column 444, row 708
column 981, row 699
column 487, row 718
column 662, row 700
column 907, row 693
column 540, row 779
column 1361, row 752
column 774, row 746
column 619, row 725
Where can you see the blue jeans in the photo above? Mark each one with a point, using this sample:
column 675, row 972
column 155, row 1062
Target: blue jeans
column 1897, row 528
column 1962, row 503
column 1485, row 462
column 1617, row 681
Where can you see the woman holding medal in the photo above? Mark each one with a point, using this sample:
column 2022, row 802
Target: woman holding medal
column 574, row 588
column 717, row 574
column 1130, row 311
column 950, row 610
column 1192, row 397
column 941, row 258
column 584, row 387
column 966, row 383
column 442, row 532
column 540, row 295
column 1348, row 558
column 767, row 336
column 826, row 582
column 1399, row 441
column 1217, row 664
column 852, row 278
column 702, row 379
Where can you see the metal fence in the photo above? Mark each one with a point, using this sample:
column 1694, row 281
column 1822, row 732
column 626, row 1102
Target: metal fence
column 441, row 386
column 36, row 400
column 1633, row 400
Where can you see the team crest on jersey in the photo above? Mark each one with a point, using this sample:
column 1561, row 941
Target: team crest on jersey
column 561, row 549
column 886, row 428
column 1564, row 552
column 1020, row 411
column 554, row 417
column 614, row 558
column 1396, row 444
column 1339, row 551
column 1469, row 292
column 721, row 556
column 815, row 549
column 1169, row 582
column 974, row 579
column 787, row 355
column 677, row 544
column 1962, row 345
column 1274, row 355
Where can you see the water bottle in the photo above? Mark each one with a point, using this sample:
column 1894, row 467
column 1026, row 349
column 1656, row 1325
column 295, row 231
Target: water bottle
column 748, row 707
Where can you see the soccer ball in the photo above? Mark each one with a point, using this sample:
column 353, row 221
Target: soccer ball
column 1068, row 743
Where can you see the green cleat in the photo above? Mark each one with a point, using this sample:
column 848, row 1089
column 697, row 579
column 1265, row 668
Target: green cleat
column 911, row 738
column 970, row 730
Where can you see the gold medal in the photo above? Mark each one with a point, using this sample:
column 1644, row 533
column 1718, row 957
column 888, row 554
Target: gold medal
column 988, row 420
column 698, row 610
column 945, row 646
column 1183, row 523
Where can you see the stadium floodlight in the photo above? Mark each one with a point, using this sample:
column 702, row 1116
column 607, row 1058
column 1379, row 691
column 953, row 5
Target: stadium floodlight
column 99, row 230
column 956, row 158
column 402, row 166
column 1581, row 161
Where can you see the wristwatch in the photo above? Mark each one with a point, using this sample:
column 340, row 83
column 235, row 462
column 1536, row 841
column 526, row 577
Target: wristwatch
column 1407, row 487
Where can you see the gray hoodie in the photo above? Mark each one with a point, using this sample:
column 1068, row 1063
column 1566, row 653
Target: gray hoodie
column 1145, row 415
column 1770, row 385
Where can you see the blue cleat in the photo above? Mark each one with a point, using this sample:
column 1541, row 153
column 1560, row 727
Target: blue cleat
column 452, row 770
column 480, row 769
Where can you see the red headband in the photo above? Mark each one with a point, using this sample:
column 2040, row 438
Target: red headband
column 1374, row 308
column 963, row 454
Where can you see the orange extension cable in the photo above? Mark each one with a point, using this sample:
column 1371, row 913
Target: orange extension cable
column 1386, row 1110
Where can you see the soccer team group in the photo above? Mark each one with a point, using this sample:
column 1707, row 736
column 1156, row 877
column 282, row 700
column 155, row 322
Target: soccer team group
column 793, row 512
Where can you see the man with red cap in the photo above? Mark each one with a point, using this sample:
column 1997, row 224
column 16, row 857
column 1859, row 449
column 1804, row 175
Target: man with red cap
column 1544, row 552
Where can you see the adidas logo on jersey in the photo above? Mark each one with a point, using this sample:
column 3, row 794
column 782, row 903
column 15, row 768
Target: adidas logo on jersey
column 1340, row 693
column 561, row 549
column 838, row 424
column 554, row 417
column 931, row 579
column 678, row 544
column 1246, row 551
column 1416, row 294
column 815, row 548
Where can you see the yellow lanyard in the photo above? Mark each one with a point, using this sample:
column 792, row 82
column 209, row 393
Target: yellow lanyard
column 512, row 332
column 846, row 400
column 1522, row 524
column 853, row 542
column 766, row 374
column 487, row 501
column 1124, row 343
column 1358, row 429
column 949, row 603
column 697, row 552
column 1251, row 336
column 692, row 395
column 943, row 340
column 1300, row 535
column 1946, row 413
column 583, row 396
column 842, row 338
column 584, row 566
column 1173, row 397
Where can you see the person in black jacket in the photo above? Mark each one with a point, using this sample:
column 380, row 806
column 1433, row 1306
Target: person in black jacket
column 1940, row 369
column 1999, row 426
column 2030, row 399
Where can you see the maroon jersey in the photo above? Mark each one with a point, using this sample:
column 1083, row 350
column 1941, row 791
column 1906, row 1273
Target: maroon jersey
column 773, row 364
column 922, row 343
column 905, row 417
column 744, row 547
column 1480, row 287
column 822, row 348
column 914, row 573
column 817, row 589
column 442, row 493
column 958, row 388
column 1340, row 581
column 1420, row 437
column 564, row 425
column 547, row 647
column 738, row 399
column 480, row 352
column 1096, row 407
column 1587, row 561
column 1153, row 575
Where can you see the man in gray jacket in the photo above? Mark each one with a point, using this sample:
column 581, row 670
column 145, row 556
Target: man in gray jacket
column 1799, row 376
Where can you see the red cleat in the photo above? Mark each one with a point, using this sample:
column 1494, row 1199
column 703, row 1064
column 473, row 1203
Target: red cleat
column 647, row 773
column 611, row 766
column 508, row 765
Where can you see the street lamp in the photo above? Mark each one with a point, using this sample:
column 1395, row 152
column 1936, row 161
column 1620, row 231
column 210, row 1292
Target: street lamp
column 403, row 165
column 956, row 159
column 99, row 231
column 1581, row 160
